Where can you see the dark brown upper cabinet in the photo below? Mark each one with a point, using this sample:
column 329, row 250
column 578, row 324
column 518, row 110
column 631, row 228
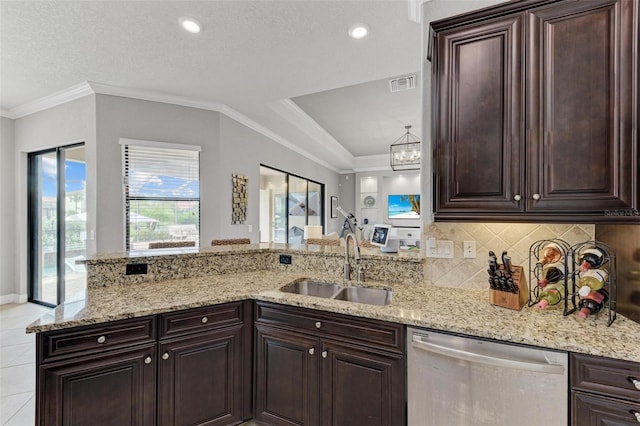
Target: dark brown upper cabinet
column 535, row 112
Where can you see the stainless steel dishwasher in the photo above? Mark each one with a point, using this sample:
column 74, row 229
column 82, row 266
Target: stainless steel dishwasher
column 455, row 381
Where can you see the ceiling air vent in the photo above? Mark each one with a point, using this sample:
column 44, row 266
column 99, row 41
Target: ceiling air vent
column 405, row 82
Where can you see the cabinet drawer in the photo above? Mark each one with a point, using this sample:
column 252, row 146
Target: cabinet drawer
column 200, row 319
column 386, row 335
column 591, row 410
column 90, row 339
column 606, row 376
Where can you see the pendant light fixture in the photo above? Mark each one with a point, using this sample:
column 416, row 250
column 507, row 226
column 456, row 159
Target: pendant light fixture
column 405, row 152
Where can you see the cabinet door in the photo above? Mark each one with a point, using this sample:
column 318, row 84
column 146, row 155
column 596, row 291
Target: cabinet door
column 200, row 379
column 361, row 386
column 580, row 97
column 589, row 410
column 286, row 377
column 478, row 130
column 115, row 389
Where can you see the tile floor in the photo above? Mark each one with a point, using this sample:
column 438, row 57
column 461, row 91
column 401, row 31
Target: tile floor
column 17, row 364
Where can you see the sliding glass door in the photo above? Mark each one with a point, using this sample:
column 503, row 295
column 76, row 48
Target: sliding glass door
column 288, row 203
column 57, row 224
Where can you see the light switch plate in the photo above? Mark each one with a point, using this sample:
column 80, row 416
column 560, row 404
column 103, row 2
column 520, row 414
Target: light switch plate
column 441, row 249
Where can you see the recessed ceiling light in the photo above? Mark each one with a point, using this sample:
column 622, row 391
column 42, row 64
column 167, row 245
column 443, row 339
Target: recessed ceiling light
column 359, row 31
column 190, row 24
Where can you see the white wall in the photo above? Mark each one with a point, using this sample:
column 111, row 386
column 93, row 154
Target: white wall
column 227, row 147
column 9, row 289
column 243, row 151
column 65, row 124
column 118, row 117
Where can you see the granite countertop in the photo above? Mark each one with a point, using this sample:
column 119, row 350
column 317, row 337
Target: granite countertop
column 448, row 309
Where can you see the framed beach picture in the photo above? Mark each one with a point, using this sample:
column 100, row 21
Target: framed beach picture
column 404, row 206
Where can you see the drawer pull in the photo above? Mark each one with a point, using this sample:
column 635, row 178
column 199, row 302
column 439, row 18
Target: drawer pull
column 312, row 351
column 318, row 324
column 637, row 414
column 324, row 354
column 147, row 360
column 165, row 355
column 102, row 339
column 517, row 197
column 536, row 197
column 635, row 382
column 204, row 320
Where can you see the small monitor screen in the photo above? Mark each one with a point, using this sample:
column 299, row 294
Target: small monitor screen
column 380, row 235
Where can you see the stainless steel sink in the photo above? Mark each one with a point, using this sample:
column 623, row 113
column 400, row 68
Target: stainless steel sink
column 310, row 287
column 369, row 296
column 328, row 290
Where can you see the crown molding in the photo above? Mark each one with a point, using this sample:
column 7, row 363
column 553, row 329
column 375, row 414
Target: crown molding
column 415, row 10
column 58, row 98
column 296, row 116
column 372, row 163
column 6, row 114
column 146, row 95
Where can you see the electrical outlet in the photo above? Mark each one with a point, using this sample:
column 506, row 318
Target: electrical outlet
column 469, row 249
column 285, row 259
column 136, row 269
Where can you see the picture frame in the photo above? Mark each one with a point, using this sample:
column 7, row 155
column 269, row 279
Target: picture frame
column 334, row 207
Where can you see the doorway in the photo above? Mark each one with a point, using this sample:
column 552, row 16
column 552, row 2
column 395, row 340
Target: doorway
column 57, row 224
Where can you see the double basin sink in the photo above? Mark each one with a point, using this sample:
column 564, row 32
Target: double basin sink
column 327, row 290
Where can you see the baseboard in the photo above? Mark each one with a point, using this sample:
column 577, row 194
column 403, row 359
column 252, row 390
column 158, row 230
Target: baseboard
column 13, row 298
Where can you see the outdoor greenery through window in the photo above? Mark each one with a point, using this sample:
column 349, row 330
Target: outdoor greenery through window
column 162, row 195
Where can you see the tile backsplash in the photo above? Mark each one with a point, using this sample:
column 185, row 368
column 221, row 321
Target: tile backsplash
column 516, row 238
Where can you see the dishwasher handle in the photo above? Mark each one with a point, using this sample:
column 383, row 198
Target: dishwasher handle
column 489, row 360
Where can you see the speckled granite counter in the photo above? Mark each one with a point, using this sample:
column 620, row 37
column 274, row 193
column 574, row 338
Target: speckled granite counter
column 449, row 309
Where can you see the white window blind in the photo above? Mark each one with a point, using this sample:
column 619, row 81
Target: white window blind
column 162, row 196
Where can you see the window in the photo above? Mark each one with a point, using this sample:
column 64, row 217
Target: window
column 162, row 194
column 287, row 204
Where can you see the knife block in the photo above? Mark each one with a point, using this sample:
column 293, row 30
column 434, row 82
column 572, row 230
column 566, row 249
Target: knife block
column 509, row 300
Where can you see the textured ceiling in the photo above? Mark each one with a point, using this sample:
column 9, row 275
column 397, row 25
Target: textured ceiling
column 250, row 55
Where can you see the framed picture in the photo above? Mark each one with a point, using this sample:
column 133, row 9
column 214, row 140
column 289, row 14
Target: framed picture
column 334, row 207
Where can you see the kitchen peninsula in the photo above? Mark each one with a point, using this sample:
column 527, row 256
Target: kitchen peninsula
column 215, row 299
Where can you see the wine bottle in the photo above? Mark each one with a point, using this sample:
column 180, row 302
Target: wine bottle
column 551, row 253
column 592, row 303
column 551, row 295
column 552, row 273
column 591, row 258
column 592, row 280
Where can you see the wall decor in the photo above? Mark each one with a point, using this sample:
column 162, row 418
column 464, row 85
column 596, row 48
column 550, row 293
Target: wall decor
column 334, row 207
column 404, row 206
column 240, row 199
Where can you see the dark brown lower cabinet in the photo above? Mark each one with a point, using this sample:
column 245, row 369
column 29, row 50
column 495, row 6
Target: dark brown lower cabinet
column 604, row 391
column 113, row 389
column 339, row 370
column 190, row 367
column 200, row 379
column 590, row 410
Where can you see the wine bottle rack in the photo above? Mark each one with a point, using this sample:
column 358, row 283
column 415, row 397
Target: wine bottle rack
column 610, row 283
column 536, row 270
column 571, row 272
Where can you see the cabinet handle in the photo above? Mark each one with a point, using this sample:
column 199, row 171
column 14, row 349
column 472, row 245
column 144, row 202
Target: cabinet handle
column 318, row 324
column 312, row 351
column 517, row 197
column 536, row 197
column 324, row 354
column 635, row 382
column 637, row 414
column 147, row 360
column 102, row 339
column 204, row 320
column 165, row 355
